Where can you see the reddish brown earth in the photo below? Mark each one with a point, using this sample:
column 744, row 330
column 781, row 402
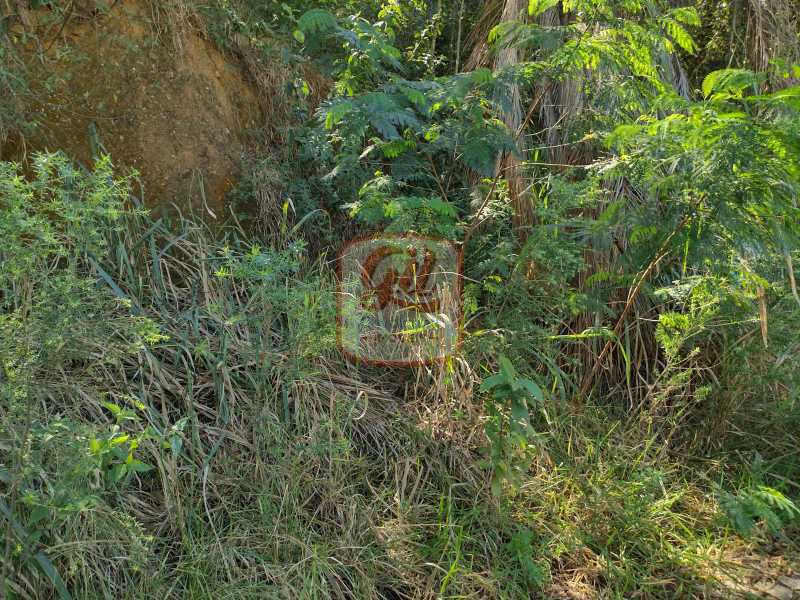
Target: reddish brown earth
column 163, row 99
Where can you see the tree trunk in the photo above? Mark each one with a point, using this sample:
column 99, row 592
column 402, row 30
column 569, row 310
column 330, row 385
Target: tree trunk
column 510, row 166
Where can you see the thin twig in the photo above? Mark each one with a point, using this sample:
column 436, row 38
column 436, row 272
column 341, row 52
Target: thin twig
column 63, row 25
column 477, row 220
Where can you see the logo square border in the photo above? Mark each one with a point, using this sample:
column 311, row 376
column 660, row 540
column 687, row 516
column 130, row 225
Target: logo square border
column 459, row 293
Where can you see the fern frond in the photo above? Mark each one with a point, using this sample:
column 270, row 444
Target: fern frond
column 317, row 20
column 730, row 82
column 335, row 112
column 678, row 33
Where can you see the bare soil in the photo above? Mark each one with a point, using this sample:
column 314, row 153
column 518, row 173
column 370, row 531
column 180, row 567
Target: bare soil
column 174, row 107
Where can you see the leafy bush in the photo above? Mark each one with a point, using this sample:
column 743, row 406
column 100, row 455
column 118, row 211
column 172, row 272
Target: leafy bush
column 55, row 319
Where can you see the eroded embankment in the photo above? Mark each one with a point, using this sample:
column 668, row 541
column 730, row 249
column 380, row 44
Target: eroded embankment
column 150, row 89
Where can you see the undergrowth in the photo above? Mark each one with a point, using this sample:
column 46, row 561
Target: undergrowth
column 174, row 395
column 621, row 421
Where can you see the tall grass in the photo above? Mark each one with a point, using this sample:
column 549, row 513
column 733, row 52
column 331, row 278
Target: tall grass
column 277, row 470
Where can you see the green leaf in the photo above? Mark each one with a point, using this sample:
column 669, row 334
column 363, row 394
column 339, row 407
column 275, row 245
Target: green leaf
column 136, row 309
column 687, row 15
column 335, row 112
column 677, row 32
column 498, row 479
column 120, row 439
column 789, row 96
column 537, row 7
column 482, row 76
column 413, row 95
column 494, row 381
column 49, row 569
column 532, row 387
column 522, row 548
column 395, row 148
column 507, row 369
column 519, row 411
column 117, row 472
column 736, row 514
column 317, row 20
column 139, row 467
column 730, row 82
column 299, row 36
column 176, row 444
column 115, row 409
column 778, row 500
column 41, row 559
column 479, row 156
column 38, row 514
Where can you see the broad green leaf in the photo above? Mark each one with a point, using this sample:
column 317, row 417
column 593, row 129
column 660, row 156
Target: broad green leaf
column 38, row 514
column 117, row 472
column 519, row 411
column 492, row 382
column 120, row 439
column 507, row 369
column 176, row 444
column 139, row 467
column 537, row 7
column 114, row 408
column 532, row 387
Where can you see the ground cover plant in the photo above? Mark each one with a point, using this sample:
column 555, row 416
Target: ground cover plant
column 623, row 416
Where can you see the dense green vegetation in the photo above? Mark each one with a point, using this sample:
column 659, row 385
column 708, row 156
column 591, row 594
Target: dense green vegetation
column 623, row 417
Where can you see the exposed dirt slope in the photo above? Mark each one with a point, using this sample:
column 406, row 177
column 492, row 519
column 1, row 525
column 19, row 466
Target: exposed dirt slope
column 174, row 107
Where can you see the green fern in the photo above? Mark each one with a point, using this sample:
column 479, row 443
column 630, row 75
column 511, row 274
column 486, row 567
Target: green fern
column 317, row 20
column 678, row 33
column 759, row 504
column 335, row 112
column 730, row 83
